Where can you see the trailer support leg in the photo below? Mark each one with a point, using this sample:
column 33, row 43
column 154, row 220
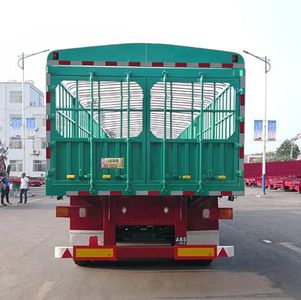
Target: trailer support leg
column 109, row 238
column 181, row 222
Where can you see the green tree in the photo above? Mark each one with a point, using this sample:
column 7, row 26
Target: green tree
column 270, row 156
column 287, row 150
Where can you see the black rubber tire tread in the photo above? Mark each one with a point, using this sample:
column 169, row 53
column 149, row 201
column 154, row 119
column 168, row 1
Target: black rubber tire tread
column 82, row 263
column 206, row 262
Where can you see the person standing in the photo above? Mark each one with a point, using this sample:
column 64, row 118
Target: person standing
column 2, row 187
column 5, row 190
column 24, row 188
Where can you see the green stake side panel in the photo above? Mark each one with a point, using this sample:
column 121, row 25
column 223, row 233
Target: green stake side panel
column 145, row 119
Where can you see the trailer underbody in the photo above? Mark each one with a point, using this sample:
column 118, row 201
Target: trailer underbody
column 118, row 228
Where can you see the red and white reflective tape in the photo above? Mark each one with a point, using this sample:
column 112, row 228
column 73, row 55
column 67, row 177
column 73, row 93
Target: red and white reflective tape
column 48, row 124
column 182, row 193
column 67, row 252
column 242, row 127
column 214, row 193
column 242, row 82
column 109, row 193
column 47, row 137
column 100, row 193
column 226, row 193
column 48, row 127
column 48, row 153
column 241, row 152
column 141, row 193
column 63, row 252
column 48, row 80
column 172, row 193
column 148, row 193
column 48, row 96
column 145, row 64
column 77, row 193
column 225, row 251
column 47, row 164
column 72, row 193
column 217, row 193
column 241, row 139
column 83, row 193
column 242, row 105
column 138, row 193
column 104, row 193
column 155, row 193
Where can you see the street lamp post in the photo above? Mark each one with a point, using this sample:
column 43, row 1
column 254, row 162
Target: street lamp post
column 267, row 68
column 22, row 66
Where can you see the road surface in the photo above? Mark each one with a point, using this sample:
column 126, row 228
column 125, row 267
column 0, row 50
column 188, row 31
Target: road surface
column 266, row 233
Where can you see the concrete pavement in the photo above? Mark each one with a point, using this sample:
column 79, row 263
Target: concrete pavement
column 267, row 264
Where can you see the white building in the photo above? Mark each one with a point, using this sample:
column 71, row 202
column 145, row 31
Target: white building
column 11, row 127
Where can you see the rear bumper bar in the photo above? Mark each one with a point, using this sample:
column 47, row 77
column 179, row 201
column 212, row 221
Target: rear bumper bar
column 104, row 253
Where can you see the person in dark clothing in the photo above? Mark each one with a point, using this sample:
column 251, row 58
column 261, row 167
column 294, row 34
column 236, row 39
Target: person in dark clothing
column 2, row 189
column 5, row 190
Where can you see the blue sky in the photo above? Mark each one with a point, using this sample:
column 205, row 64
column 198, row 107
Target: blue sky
column 270, row 28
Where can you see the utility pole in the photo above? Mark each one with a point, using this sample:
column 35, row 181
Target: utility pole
column 267, row 68
column 21, row 65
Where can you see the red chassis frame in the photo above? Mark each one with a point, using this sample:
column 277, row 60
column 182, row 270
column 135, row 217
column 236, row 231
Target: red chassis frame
column 107, row 212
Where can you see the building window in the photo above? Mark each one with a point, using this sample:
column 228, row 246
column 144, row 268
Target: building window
column 31, row 127
column 39, row 165
column 15, row 96
column 15, row 143
column 36, row 99
column 39, row 143
column 16, row 165
column 15, row 126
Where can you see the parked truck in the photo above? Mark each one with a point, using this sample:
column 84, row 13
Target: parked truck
column 144, row 139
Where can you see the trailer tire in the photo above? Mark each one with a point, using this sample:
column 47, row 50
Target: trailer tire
column 206, row 262
column 82, row 263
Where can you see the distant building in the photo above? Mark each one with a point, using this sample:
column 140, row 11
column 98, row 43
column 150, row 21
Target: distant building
column 11, row 127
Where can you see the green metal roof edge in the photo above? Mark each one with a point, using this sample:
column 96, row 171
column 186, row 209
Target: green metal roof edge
column 145, row 52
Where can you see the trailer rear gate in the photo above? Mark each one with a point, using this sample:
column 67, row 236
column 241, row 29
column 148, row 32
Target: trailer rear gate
column 145, row 119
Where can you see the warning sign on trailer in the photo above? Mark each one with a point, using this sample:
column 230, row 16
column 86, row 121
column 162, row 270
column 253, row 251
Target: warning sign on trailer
column 112, row 163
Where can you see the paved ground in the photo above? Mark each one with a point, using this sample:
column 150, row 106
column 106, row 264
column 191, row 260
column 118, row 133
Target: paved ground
column 265, row 231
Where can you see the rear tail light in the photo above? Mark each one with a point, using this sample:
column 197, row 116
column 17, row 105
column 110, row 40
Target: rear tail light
column 235, row 58
column 62, row 211
column 225, row 213
column 217, row 213
column 55, row 55
column 68, row 212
